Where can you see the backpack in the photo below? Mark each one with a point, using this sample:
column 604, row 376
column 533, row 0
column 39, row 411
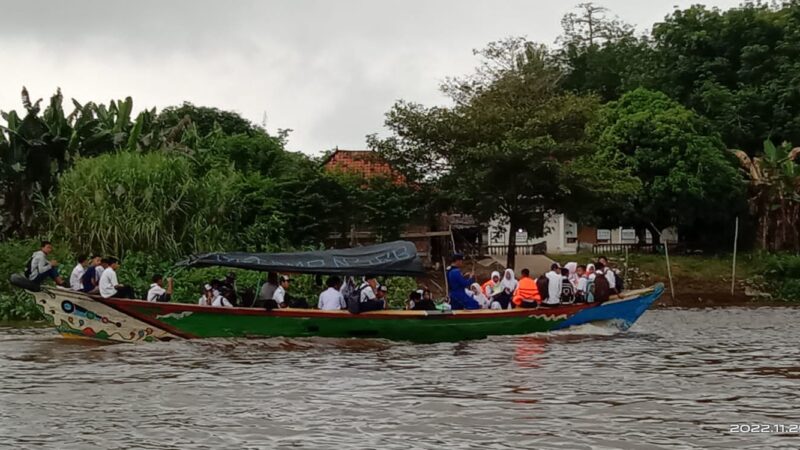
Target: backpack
column 542, row 284
column 28, row 268
column 353, row 300
column 619, row 282
column 602, row 290
column 588, row 296
column 567, row 292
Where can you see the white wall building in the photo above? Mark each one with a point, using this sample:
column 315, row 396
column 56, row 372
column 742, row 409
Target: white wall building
column 563, row 236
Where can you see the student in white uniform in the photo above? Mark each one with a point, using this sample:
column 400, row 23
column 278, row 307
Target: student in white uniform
column 369, row 299
column 207, row 297
column 554, row 281
column 279, row 296
column 221, row 301
column 110, row 286
column 609, row 273
column 157, row 293
column 77, row 273
column 331, row 299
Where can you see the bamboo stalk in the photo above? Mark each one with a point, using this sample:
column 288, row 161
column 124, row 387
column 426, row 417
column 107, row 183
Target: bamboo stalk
column 735, row 242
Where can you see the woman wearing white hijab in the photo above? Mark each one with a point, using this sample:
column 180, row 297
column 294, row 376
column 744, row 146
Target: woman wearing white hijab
column 492, row 286
column 478, row 295
column 507, row 287
column 573, row 277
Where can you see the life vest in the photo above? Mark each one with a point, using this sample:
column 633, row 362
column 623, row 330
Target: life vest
column 526, row 290
column 488, row 283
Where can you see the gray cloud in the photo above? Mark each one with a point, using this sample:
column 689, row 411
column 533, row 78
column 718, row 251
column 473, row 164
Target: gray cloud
column 327, row 69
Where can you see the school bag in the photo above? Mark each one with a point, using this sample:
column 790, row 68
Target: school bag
column 567, row 292
column 353, row 300
column 619, row 282
column 602, row 290
column 28, row 268
column 588, row 296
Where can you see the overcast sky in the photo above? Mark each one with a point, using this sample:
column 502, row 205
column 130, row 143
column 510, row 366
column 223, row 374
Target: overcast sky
column 329, row 70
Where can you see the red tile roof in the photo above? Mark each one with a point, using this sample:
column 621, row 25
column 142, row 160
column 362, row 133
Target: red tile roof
column 366, row 163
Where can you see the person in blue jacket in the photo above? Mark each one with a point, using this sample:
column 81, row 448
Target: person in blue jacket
column 457, row 283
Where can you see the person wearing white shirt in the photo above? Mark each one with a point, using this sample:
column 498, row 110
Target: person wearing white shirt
column 332, row 299
column 554, row 281
column 77, row 274
column 279, row 296
column 220, row 301
column 208, row 296
column 612, row 279
column 368, row 300
column 157, row 293
column 110, row 286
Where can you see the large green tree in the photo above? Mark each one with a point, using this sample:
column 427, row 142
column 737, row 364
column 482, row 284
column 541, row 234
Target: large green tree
column 688, row 178
column 513, row 146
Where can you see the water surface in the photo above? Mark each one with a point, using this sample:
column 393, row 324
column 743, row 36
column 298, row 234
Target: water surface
column 679, row 379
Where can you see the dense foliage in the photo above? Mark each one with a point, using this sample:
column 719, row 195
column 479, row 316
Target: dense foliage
column 688, row 178
column 513, row 147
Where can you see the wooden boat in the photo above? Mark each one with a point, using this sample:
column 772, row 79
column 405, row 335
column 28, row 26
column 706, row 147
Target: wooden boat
column 75, row 314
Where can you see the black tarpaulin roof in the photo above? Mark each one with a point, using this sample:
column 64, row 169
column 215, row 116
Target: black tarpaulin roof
column 390, row 258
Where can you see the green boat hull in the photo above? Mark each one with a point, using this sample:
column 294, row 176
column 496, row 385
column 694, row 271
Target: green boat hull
column 80, row 315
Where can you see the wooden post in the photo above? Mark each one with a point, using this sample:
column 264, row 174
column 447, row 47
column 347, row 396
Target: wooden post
column 446, row 285
column 735, row 242
column 669, row 268
column 452, row 239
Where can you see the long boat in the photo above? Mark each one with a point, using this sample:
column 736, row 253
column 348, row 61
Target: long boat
column 80, row 315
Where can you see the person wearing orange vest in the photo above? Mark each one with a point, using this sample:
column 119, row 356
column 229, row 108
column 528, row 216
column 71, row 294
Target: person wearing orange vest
column 527, row 294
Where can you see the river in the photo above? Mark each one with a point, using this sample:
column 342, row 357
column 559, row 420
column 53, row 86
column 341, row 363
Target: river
column 681, row 378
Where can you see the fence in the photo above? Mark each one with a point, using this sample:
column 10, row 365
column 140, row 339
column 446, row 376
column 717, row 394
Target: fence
column 522, row 249
column 600, row 249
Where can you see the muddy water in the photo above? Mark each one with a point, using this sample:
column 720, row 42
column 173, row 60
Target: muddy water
column 680, row 379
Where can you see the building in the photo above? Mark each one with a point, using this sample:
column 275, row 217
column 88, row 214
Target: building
column 366, row 163
column 564, row 236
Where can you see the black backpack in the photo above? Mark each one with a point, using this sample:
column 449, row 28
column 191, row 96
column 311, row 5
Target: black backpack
column 354, row 300
column 28, row 268
column 602, row 290
column 567, row 292
column 619, row 282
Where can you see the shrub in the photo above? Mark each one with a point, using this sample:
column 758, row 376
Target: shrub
column 782, row 270
column 150, row 202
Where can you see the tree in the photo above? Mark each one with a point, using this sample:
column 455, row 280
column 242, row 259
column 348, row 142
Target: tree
column 600, row 55
column 688, row 179
column 512, row 148
column 775, row 195
column 736, row 67
column 206, row 119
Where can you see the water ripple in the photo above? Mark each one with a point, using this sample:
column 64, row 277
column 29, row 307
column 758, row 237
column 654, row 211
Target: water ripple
column 679, row 379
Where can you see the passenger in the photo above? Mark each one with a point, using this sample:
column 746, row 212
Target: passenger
column 77, row 273
column 572, row 268
column 583, row 282
column 89, row 279
column 110, row 286
column 368, row 299
column 609, row 273
column 279, row 296
column 527, row 294
column 414, row 298
column 567, row 288
column 488, row 287
column 40, row 268
column 207, row 297
column 590, row 269
column 508, row 285
column 426, row 304
column 230, row 283
column 477, row 294
column 458, row 284
column 157, row 293
column 381, row 293
column 331, row 299
column 104, row 263
column 553, row 286
column 268, row 288
column 602, row 289
column 221, row 299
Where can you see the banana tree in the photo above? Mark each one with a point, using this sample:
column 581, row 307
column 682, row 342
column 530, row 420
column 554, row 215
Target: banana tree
column 774, row 181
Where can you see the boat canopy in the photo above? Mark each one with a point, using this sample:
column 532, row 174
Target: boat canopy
column 390, row 258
